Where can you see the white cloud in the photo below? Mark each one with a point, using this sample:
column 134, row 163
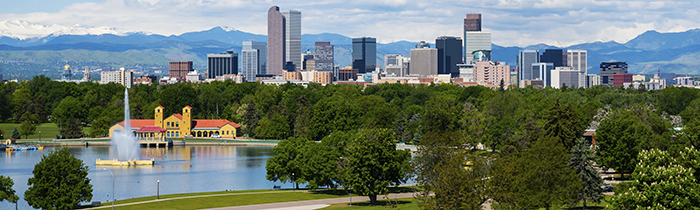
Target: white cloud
column 512, row 22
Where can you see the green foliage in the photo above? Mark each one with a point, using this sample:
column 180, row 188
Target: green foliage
column 619, row 138
column 15, row 134
column 60, row 182
column 275, row 127
column 291, row 156
column 100, row 127
column 535, row 178
column 582, row 160
column 663, row 180
column 562, row 123
column 6, row 191
column 374, row 163
column 72, row 128
column 445, row 167
column 27, row 128
column 325, row 167
column 69, row 108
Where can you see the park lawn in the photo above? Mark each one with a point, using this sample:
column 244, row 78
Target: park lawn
column 589, row 205
column 48, row 130
column 403, row 203
column 225, row 199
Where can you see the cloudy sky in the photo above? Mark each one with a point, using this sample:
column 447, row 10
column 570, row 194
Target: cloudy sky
column 512, row 22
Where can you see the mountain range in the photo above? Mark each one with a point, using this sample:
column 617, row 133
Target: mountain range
column 671, row 52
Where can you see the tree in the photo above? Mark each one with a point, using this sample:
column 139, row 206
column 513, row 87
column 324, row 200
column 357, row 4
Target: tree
column 27, row 128
column 663, row 180
column 445, row 167
column 71, row 129
column 291, row 156
column 618, row 140
column 582, row 159
column 60, row 182
column 324, row 167
column 15, row 134
column 562, row 123
column 6, row 191
column 374, row 163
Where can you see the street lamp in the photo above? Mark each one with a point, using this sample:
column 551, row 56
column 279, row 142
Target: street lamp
column 39, row 136
column 113, row 198
column 293, row 182
column 158, row 191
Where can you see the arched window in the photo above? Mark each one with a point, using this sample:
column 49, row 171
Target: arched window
column 177, row 124
column 168, row 124
column 167, row 134
column 177, row 133
column 159, row 111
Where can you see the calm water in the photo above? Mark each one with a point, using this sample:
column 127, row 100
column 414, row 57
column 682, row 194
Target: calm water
column 179, row 169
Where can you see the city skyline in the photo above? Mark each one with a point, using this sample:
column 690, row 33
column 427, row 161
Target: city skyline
column 520, row 23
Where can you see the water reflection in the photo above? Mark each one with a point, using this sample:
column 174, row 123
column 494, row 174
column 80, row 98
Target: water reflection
column 179, row 169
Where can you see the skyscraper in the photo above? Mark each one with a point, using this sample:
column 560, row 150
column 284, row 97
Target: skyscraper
column 324, row 56
column 221, row 64
column 292, row 37
column 364, row 54
column 525, row 60
column 474, row 39
column 543, row 71
column 554, row 56
column 424, row 61
column 261, row 47
column 578, row 59
column 609, row 69
column 179, row 69
column 275, row 41
column 449, row 54
column 250, row 64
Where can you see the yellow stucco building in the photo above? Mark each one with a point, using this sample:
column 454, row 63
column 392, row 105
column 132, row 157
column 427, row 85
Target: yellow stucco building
column 182, row 125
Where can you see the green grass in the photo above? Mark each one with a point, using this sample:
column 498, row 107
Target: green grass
column 48, row 130
column 402, row 203
column 235, row 198
column 589, row 205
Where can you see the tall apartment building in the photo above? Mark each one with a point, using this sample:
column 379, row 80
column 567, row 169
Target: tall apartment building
column 424, row 62
column 525, row 60
column 283, row 39
column 179, row 69
column 250, row 64
column 592, row 80
column 324, row 56
column 449, row 54
column 221, row 64
column 554, row 56
column 491, row 72
column 261, row 48
column 610, row 68
column 543, row 71
column 364, row 54
column 123, row 77
column 579, row 60
column 474, row 38
column 565, row 76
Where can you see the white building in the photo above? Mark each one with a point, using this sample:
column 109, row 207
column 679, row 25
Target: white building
column 543, row 71
column 565, row 76
column 193, row 76
column 593, row 80
column 122, row 77
column 578, row 59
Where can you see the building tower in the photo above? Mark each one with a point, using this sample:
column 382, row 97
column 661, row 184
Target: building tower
column 449, row 54
column 554, row 56
column 275, row 41
column 67, row 74
column 324, row 56
column 179, row 69
column 86, row 75
column 186, row 126
column 525, row 60
column 222, row 64
column 158, row 120
column 424, row 61
column 579, row 60
column 292, row 37
column 609, row 68
column 364, row 54
column 474, row 38
column 253, row 59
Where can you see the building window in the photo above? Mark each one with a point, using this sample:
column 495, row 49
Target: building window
column 159, row 111
column 177, row 124
column 167, row 134
column 177, row 133
column 168, row 124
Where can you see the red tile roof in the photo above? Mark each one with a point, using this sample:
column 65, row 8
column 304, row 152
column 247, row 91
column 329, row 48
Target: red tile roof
column 188, row 107
column 179, row 116
column 161, row 107
column 139, row 123
column 151, row 129
column 213, row 123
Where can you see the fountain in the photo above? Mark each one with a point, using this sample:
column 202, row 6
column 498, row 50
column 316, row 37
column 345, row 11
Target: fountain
column 125, row 144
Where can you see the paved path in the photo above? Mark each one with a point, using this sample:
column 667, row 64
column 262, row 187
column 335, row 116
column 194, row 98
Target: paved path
column 311, row 204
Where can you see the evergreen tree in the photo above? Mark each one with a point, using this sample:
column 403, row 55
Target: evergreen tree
column 582, row 159
column 15, row 134
column 562, row 123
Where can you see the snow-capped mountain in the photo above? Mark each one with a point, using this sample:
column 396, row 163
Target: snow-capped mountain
column 22, row 29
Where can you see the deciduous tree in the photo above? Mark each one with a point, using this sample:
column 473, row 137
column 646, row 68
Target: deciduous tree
column 6, row 191
column 60, row 181
column 27, row 128
column 291, row 156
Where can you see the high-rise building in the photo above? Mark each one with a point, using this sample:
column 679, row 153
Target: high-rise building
column 221, row 64
column 525, row 60
column 565, row 76
column 261, row 47
column 474, row 39
column 364, row 54
column 424, row 61
column 292, row 37
column 179, row 69
column 249, row 64
column 579, row 60
column 491, row 72
column 122, row 77
column 554, row 56
column 610, row 68
column 620, row 79
column 308, row 62
column 593, row 80
column 275, row 41
column 324, row 56
column 395, row 64
column 449, row 54
column 543, row 71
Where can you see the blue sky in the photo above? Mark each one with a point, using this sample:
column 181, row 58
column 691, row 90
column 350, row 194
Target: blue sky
column 511, row 22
